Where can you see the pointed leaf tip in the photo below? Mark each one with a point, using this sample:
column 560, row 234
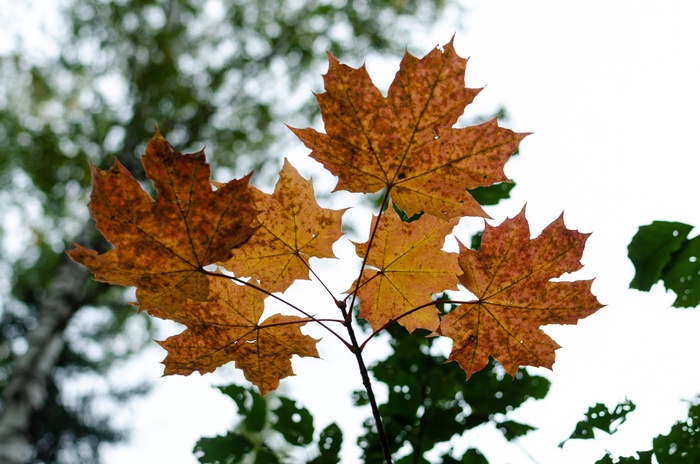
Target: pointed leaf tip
column 294, row 229
column 406, row 141
column 161, row 245
column 514, row 300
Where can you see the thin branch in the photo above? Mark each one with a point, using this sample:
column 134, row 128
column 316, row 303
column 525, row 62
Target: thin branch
column 357, row 350
column 366, row 381
column 417, row 308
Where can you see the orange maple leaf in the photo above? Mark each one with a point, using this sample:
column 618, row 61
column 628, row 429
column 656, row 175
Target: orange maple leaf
column 406, row 142
column 510, row 277
column 227, row 328
column 293, row 229
column 406, row 265
column 161, row 246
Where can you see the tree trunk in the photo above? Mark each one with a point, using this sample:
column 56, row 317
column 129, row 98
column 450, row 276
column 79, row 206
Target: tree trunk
column 26, row 391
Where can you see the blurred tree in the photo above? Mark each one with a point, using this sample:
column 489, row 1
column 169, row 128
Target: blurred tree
column 208, row 71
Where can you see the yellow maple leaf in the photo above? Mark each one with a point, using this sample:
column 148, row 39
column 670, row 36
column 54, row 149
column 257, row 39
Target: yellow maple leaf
column 293, row 229
column 406, row 265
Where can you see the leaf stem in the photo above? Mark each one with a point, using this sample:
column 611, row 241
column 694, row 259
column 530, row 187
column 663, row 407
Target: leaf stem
column 335, row 300
column 417, row 308
column 282, row 300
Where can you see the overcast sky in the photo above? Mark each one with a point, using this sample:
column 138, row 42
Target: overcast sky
column 610, row 91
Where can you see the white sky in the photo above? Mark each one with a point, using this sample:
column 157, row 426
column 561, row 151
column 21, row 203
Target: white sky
column 610, row 90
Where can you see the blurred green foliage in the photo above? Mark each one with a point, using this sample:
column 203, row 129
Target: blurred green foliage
column 227, row 75
column 662, row 251
column 430, row 401
column 271, row 428
column 681, row 445
column 599, row 417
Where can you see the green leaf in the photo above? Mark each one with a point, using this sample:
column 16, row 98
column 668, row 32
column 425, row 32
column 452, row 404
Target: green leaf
column 476, row 241
column 651, row 250
column 294, row 423
column 404, row 217
column 238, row 394
column 412, row 459
column 598, row 417
column 682, row 444
column 491, row 195
column 329, row 444
column 360, row 398
column 266, row 456
column 257, row 417
column 250, row 405
column 512, row 430
column 230, row 448
column 644, row 458
column 492, row 392
column 682, row 275
column 471, row 456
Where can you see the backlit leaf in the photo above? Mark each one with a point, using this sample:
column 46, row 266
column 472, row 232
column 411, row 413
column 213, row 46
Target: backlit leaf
column 406, row 265
column 161, row 245
column 294, row 228
column 227, row 327
column 406, row 141
column 510, row 277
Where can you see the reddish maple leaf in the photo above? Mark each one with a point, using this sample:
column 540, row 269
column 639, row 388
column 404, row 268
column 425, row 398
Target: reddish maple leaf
column 227, row 327
column 406, row 142
column 294, row 228
column 510, row 276
column 161, row 246
column 406, row 265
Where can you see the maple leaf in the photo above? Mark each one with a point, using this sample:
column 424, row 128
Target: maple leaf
column 406, row 265
column 510, row 277
column 161, row 245
column 293, row 229
column 406, row 142
column 227, row 328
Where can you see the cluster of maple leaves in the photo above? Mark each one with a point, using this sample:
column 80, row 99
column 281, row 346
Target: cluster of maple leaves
column 208, row 255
